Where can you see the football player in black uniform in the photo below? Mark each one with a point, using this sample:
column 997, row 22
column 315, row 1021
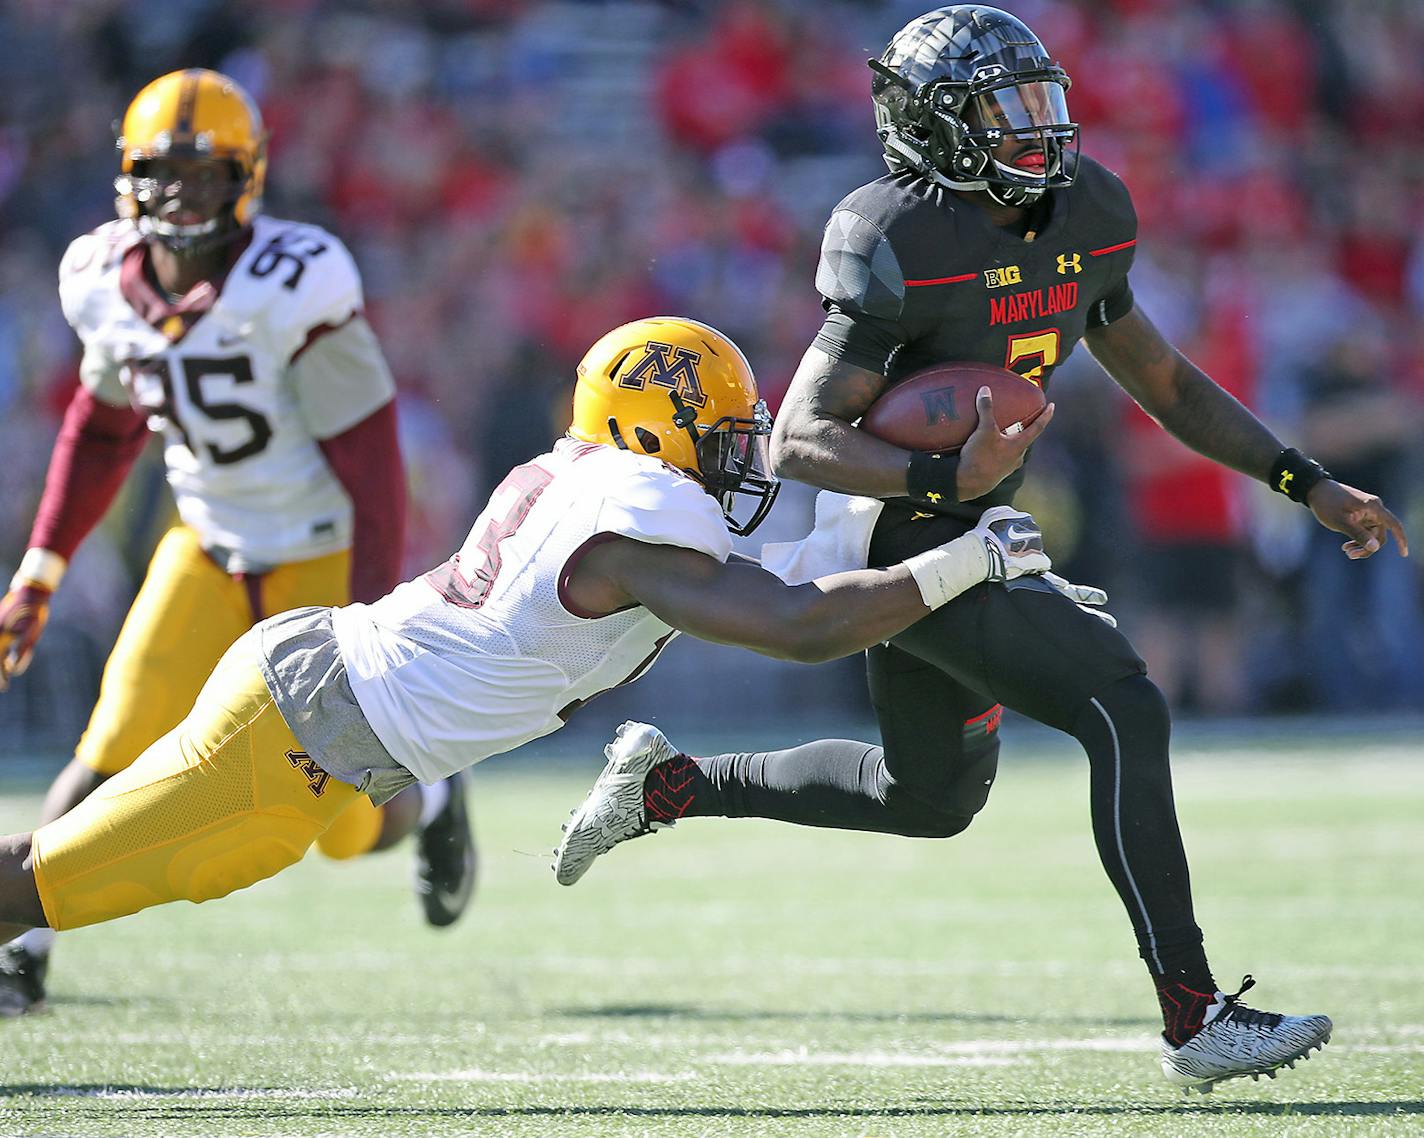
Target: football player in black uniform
column 993, row 239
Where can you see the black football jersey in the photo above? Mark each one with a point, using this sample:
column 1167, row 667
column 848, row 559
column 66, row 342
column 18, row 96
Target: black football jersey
column 914, row 275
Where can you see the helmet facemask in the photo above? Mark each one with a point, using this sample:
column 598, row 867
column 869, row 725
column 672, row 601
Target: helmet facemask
column 157, row 198
column 1031, row 113
column 734, row 461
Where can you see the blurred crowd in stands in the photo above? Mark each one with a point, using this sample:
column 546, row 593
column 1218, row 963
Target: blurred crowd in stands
column 516, row 176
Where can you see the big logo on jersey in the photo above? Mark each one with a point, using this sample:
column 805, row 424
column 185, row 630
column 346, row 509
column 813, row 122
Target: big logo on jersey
column 670, row 367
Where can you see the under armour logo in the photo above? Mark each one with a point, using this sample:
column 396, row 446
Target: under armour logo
column 1285, row 481
column 1070, row 262
column 935, row 496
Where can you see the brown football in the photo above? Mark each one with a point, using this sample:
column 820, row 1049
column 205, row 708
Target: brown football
column 934, row 408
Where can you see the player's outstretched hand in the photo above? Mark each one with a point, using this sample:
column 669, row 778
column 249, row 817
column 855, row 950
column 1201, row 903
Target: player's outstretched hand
column 991, row 455
column 23, row 612
column 1361, row 517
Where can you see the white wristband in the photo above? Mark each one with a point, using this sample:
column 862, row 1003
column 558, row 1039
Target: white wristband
column 41, row 567
column 943, row 573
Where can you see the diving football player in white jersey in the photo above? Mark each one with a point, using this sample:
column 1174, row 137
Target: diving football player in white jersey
column 240, row 338
column 583, row 565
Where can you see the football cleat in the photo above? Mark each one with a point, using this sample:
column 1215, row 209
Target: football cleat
column 1236, row 1041
column 22, row 976
column 445, row 860
column 614, row 810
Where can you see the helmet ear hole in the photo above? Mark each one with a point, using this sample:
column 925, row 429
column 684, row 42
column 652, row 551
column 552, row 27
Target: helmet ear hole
column 650, row 442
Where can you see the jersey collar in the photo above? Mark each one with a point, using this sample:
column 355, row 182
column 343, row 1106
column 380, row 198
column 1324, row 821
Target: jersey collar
column 174, row 319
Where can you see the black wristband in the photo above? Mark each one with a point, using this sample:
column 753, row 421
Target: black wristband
column 1294, row 475
column 933, row 479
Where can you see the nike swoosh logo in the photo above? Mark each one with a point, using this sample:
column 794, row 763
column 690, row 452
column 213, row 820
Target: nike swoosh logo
column 1016, row 534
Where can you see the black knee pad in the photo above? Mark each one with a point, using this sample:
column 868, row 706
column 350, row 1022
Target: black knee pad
column 947, row 809
column 970, row 790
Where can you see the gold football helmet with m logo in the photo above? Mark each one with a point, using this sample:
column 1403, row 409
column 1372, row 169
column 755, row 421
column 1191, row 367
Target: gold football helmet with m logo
column 182, row 124
column 681, row 392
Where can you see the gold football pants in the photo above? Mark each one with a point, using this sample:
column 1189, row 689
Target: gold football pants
column 222, row 801
column 185, row 616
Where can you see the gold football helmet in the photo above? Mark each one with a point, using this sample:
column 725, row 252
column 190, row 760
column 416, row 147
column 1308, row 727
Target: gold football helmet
column 191, row 115
column 684, row 393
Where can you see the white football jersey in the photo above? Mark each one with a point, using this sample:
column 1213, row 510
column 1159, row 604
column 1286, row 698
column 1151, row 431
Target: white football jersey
column 487, row 652
column 243, row 463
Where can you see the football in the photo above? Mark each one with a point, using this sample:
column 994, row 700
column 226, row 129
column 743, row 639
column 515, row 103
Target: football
column 934, row 408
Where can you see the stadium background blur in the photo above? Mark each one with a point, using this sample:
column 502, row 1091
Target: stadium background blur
column 515, row 178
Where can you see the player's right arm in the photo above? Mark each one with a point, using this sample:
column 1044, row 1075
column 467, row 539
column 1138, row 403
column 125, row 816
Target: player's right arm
column 842, row 373
column 815, row 439
column 742, row 604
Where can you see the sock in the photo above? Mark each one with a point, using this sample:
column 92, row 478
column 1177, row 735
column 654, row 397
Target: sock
column 432, row 800
column 669, row 789
column 1183, row 1009
column 37, row 942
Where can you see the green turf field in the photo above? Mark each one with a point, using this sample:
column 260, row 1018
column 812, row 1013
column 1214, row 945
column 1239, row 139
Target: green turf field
column 739, row 978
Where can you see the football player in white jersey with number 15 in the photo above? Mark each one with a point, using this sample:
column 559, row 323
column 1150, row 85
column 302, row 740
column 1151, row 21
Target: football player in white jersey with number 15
column 585, row 562
column 240, row 338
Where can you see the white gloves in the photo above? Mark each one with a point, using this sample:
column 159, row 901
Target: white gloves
column 1014, row 542
column 1004, row 545
column 1083, row 596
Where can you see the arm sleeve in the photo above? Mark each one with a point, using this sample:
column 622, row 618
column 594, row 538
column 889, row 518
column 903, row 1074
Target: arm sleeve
column 340, row 376
column 1114, row 304
column 1115, row 301
column 863, row 287
column 862, row 340
column 366, row 460
column 97, row 444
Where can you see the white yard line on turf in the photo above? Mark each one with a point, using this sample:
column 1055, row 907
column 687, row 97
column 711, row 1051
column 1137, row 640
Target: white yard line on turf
column 479, row 1076
column 196, row 1092
column 802, row 1058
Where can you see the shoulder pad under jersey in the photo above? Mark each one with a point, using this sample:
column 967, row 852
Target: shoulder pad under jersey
column 88, row 272
column 304, row 276
column 647, row 500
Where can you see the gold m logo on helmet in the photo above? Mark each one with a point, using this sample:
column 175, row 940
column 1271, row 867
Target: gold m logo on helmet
column 670, row 367
column 1069, row 263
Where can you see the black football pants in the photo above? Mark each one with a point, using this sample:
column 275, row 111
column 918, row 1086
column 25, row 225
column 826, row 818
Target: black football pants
column 936, row 690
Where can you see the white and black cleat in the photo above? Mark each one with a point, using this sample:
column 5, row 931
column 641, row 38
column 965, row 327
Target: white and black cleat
column 614, row 810
column 1236, row 1041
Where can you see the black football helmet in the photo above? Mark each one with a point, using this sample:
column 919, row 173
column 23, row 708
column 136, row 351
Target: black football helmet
column 958, row 82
